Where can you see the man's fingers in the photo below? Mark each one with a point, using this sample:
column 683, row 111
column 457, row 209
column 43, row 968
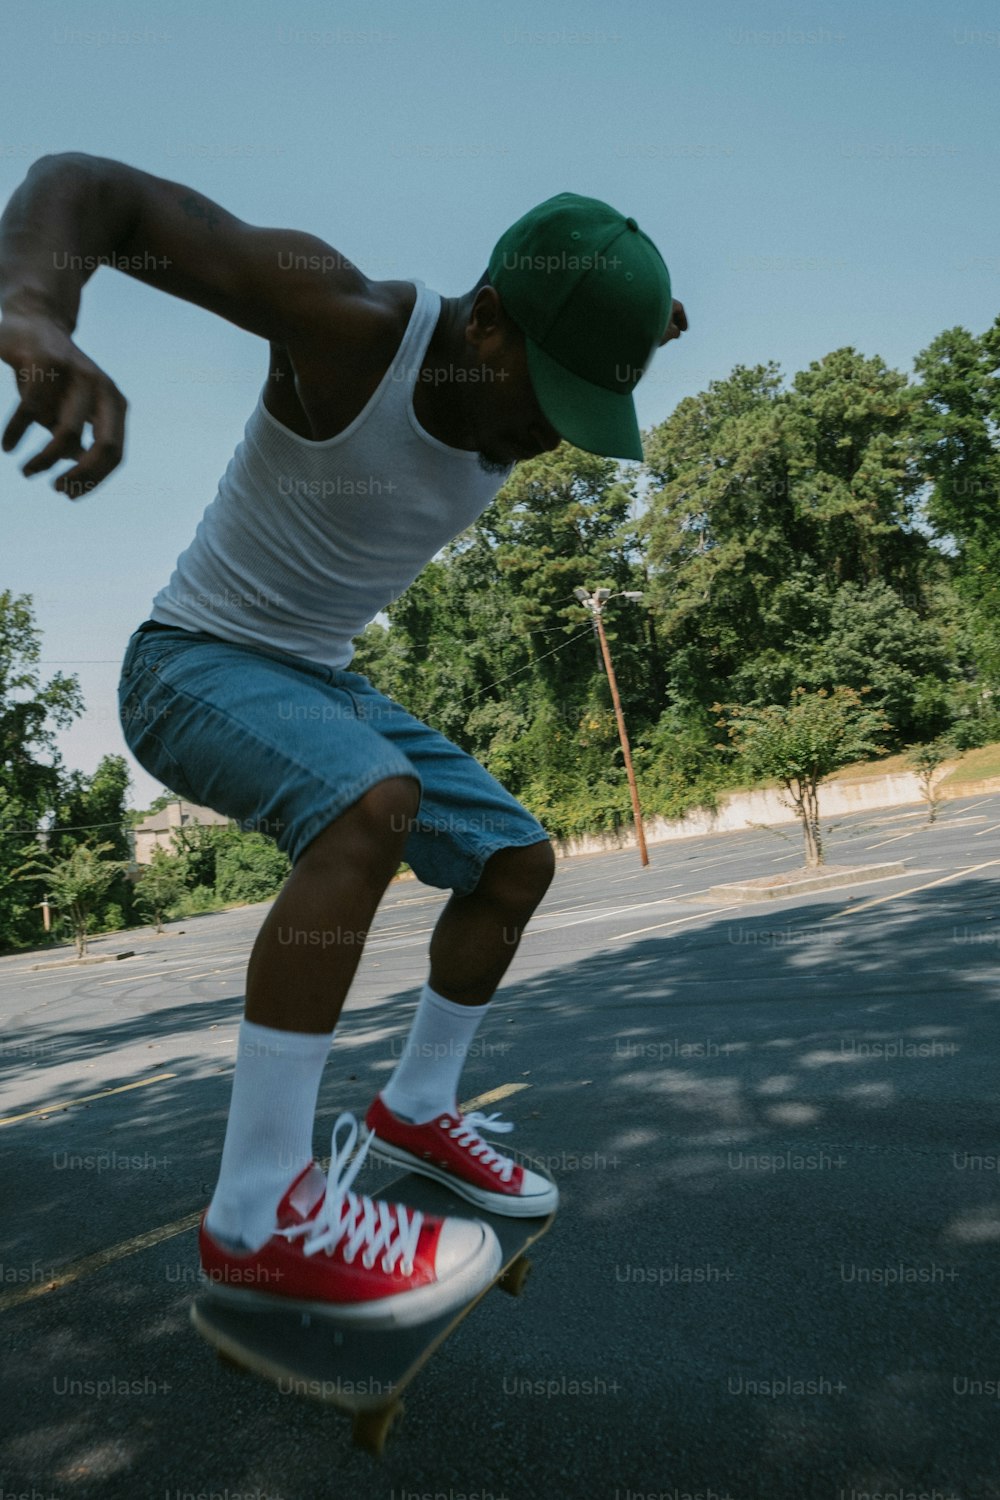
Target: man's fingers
column 104, row 454
column 16, row 427
column 74, row 411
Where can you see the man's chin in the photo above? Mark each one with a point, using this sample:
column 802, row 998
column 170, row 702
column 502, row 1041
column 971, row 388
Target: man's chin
column 491, row 465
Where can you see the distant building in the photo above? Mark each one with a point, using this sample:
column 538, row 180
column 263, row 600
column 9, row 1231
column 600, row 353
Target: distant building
column 154, row 832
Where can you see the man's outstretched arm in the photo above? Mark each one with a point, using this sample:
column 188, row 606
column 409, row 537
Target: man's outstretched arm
column 75, row 212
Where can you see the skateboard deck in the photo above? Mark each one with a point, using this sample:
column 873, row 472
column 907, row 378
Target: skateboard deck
column 360, row 1370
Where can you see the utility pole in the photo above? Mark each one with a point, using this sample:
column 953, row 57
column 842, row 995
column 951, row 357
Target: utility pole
column 595, row 603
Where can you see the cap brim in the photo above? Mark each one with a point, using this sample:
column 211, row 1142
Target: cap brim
column 590, row 417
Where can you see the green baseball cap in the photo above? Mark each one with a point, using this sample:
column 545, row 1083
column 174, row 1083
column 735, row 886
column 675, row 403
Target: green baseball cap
column 591, row 293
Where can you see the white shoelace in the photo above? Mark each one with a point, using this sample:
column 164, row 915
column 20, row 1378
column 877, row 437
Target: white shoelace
column 367, row 1224
column 466, row 1133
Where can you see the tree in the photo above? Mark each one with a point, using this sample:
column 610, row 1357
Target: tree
column 93, row 807
column 720, row 530
column 18, row 907
column 76, row 883
column 160, row 884
column 764, row 505
column 801, row 743
column 956, row 423
column 30, row 765
column 866, row 636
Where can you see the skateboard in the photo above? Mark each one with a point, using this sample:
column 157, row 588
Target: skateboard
column 362, row 1371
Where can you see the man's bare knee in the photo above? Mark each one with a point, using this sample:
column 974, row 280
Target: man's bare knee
column 519, row 874
column 376, row 826
column 391, row 804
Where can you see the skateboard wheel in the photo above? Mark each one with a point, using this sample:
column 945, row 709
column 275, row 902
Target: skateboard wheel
column 513, row 1279
column 371, row 1428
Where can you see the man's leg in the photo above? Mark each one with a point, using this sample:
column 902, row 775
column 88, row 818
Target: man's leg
column 301, row 968
column 473, row 944
column 309, row 947
column 477, row 935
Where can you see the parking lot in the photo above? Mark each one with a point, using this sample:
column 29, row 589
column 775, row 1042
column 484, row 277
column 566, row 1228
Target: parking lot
column 776, row 1131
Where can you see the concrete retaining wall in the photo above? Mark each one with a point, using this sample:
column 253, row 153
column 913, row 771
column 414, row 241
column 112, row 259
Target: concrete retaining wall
column 741, row 810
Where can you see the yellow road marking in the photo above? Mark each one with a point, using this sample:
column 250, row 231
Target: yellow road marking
column 852, row 911
column 101, row 1258
column 48, row 1109
column 493, row 1096
column 98, row 1261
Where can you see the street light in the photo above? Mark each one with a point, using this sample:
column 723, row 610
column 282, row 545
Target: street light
column 595, row 603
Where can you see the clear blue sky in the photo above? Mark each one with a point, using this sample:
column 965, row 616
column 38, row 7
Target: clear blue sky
column 815, row 176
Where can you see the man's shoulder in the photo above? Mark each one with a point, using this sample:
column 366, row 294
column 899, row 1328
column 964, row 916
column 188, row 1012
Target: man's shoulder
column 332, row 381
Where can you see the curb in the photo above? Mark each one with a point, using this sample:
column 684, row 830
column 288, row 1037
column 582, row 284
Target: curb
column 748, row 891
column 98, row 958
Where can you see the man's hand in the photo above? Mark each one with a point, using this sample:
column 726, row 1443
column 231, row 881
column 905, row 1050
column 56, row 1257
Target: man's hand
column 677, row 325
column 61, row 389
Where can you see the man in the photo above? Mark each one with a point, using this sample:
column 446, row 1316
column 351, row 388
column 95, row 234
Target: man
column 389, row 419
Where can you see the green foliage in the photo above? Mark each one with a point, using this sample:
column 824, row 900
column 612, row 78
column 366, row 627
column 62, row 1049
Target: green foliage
column 93, row 807
column 806, row 739
column 30, row 766
column 955, row 425
column 251, row 868
column 678, row 768
column 76, row 884
column 112, row 918
column 193, row 902
column 160, row 885
column 201, row 844
column 777, row 520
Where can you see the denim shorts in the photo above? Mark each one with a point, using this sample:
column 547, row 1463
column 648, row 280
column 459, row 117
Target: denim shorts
column 283, row 745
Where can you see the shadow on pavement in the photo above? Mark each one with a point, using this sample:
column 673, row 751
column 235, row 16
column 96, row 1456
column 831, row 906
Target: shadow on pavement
column 774, row 1272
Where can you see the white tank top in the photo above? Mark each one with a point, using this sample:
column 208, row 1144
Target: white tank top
column 306, row 541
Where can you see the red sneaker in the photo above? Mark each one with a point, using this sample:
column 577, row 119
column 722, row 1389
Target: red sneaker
column 450, row 1149
column 354, row 1258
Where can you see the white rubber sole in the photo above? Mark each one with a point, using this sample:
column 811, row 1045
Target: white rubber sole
column 505, row 1204
column 401, row 1310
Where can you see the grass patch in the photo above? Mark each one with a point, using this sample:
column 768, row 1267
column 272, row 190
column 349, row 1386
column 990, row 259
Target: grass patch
column 864, row 770
column 976, row 765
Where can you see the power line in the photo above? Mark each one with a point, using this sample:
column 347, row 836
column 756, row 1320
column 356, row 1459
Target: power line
column 521, row 670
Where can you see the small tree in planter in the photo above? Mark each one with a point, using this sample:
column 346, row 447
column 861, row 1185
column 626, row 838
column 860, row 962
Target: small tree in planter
column 925, row 760
column 803, row 743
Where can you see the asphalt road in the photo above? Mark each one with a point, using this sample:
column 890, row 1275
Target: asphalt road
column 776, row 1131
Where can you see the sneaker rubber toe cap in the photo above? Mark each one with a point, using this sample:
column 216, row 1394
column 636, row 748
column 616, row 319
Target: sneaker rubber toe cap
column 534, row 1186
column 466, row 1245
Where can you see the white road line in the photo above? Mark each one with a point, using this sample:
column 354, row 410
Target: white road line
column 895, row 839
column 679, row 921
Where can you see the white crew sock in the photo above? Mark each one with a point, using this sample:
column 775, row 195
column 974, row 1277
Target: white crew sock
column 425, row 1082
column 269, row 1132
